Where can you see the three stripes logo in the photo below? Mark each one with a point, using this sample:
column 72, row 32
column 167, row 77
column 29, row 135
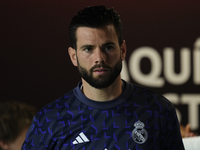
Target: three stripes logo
column 81, row 138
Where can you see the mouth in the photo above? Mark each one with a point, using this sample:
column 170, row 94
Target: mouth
column 100, row 70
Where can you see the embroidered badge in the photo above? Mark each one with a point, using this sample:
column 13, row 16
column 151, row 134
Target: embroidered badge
column 139, row 134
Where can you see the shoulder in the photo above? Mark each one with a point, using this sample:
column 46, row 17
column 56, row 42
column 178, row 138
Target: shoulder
column 53, row 108
column 148, row 97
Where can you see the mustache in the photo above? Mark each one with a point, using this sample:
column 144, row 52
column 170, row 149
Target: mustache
column 100, row 66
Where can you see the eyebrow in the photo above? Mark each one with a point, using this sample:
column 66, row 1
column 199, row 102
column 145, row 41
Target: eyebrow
column 108, row 43
column 86, row 46
column 105, row 44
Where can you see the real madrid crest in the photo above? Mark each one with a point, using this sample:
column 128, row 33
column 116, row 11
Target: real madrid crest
column 139, row 134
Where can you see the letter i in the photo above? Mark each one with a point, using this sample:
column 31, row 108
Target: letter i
column 196, row 61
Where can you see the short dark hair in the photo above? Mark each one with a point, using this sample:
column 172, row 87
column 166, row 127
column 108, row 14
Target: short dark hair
column 95, row 17
column 14, row 118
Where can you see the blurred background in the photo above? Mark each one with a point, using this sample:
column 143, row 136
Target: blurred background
column 163, row 41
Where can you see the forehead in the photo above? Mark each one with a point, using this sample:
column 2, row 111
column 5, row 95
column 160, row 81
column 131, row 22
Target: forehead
column 87, row 34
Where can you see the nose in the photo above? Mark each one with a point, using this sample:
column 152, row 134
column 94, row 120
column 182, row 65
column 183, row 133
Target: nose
column 100, row 56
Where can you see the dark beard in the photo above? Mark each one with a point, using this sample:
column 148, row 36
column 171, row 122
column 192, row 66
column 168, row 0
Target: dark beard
column 102, row 81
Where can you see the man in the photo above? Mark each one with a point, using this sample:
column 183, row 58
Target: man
column 15, row 119
column 103, row 112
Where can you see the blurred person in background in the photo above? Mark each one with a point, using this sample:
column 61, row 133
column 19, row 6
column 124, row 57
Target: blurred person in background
column 191, row 140
column 15, row 119
column 186, row 132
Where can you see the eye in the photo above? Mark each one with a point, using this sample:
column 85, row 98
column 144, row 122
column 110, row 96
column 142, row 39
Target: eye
column 109, row 48
column 88, row 49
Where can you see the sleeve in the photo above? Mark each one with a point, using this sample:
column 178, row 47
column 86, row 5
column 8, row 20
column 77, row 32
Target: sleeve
column 33, row 139
column 172, row 139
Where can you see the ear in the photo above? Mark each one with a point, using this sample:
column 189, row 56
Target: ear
column 123, row 50
column 72, row 54
column 4, row 146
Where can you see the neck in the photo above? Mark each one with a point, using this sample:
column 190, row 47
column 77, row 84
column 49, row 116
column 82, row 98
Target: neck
column 104, row 94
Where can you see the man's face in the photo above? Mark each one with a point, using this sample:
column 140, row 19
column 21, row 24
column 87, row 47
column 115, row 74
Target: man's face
column 98, row 55
column 103, row 80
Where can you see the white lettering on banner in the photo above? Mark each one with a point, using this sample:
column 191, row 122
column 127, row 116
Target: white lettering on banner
column 193, row 101
column 185, row 70
column 153, row 79
column 196, row 61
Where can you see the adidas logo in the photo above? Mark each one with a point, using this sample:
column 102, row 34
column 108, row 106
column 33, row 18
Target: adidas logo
column 81, row 138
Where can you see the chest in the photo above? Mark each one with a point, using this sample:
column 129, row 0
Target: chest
column 124, row 127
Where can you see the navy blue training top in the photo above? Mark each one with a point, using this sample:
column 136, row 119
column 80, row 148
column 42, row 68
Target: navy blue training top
column 138, row 119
